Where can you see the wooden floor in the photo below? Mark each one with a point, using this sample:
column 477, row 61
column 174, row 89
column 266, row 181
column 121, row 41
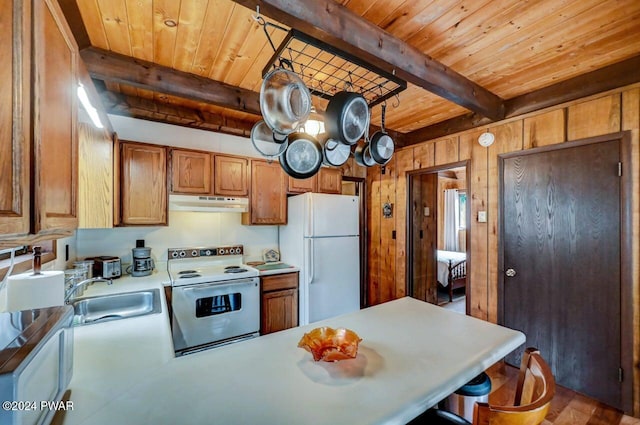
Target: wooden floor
column 567, row 407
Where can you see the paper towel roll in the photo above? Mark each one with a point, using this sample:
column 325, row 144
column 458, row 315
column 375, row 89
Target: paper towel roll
column 26, row 290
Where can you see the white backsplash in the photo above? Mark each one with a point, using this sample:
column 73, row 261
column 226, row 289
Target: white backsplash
column 186, row 229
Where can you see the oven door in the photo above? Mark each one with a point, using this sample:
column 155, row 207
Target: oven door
column 210, row 312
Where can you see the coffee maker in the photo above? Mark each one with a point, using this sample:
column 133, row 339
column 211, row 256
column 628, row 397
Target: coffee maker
column 143, row 264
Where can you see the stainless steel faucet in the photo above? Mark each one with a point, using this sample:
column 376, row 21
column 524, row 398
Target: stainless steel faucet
column 74, row 288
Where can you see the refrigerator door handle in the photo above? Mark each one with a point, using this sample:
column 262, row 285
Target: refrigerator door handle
column 310, row 253
column 310, row 215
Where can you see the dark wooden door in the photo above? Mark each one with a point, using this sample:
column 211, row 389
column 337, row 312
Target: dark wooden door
column 424, row 236
column 562, row 237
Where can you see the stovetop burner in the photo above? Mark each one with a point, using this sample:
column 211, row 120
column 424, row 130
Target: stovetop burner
column 194, row 266
column 235, row 270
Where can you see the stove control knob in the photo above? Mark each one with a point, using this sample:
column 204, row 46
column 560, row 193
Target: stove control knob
column 207, row 252
column 182, row 254
column 194, row 253
column 174, row 254
column 237, row 250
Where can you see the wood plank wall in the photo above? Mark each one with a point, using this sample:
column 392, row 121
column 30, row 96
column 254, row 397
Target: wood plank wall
column 604, row 113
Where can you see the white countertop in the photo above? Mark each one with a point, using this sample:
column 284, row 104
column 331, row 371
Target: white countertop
column 412, row 355
column 290, row 269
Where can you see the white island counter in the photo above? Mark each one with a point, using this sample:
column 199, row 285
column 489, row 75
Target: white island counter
column 412, row 355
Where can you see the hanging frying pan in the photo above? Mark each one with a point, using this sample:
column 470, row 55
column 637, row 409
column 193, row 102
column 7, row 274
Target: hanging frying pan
column 263, row 141
column 381, row 146
column 363, row 156
column 303, row 156
column 347, row 117
column 335, row 152
column 285, row 102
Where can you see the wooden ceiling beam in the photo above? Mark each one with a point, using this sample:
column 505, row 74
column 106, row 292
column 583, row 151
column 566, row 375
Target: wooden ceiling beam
column 336, row 25
column 150, row 110
column 608, row 78
column 109, row 66
column 74, row 20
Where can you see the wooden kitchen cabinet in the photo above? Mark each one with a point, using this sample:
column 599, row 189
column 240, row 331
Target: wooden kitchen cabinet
column 301, row 185
column 268, row 194
column 38, row 143
column 95, row 178
column 231, row 176
column 191, row 172
column 279, row 307
column 329, row 180
column 143, row 184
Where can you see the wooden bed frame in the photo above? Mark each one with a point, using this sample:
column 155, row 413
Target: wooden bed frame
column 457, row 277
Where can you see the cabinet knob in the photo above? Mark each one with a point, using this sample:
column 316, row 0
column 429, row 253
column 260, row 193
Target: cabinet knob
column 510, row 272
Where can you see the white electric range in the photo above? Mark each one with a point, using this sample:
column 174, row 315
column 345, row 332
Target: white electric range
column 215, row 298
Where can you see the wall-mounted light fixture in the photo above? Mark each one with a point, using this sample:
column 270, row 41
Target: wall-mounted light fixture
column 86, row 104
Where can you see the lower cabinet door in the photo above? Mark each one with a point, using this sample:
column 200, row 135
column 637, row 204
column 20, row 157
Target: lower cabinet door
column 279, row 311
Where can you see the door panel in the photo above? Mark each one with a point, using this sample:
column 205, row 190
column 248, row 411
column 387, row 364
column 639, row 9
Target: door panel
column 561, row 227
column 424, row 230
column 333, row 215
column 335, row 286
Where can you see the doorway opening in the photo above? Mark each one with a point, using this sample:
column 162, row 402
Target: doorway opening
column 437, row 229
column 355, row 186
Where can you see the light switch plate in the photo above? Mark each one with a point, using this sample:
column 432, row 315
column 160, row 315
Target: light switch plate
column 426, row 211
column 482, row 216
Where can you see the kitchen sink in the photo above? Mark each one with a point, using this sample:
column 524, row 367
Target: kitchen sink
column 116, row 306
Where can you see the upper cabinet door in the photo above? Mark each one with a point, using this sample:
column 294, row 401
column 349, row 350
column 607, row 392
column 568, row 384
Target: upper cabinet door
column 330, row 180
column 55, row 144
column 14, row 118
column 231, row 176
column 302, row 185
column 143, row 183
column 191, row 172
column 268, row 200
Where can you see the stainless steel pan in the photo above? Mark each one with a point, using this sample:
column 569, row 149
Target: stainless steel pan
column 347, row 117
column 285, row 102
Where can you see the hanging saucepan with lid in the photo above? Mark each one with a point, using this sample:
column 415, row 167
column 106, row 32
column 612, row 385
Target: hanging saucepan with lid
column 265, row 142
column 381, row 145
column 303, row 156
column 335, row 152
column 285, row 102
column 347, row 117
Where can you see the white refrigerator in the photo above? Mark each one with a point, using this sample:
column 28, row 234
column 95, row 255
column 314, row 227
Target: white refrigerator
column 322, row 238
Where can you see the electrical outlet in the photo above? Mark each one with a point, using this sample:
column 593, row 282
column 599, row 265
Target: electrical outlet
column 426, row 212
column 482, row 216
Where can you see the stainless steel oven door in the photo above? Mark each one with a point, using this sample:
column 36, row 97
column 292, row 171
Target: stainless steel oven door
column 210, row 312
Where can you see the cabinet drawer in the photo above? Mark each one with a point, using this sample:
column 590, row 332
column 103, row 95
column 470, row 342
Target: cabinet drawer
column 279, row 281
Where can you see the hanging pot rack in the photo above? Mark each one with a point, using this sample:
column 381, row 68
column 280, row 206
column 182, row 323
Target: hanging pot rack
column 326, row 70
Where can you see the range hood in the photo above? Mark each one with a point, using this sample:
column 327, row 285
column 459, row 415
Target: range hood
column 208, row 203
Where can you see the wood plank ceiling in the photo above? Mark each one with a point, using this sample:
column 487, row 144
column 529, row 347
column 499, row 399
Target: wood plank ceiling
column 509, row 47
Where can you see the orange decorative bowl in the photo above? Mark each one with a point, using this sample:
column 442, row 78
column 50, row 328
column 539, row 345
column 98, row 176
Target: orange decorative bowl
column 331, row 345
